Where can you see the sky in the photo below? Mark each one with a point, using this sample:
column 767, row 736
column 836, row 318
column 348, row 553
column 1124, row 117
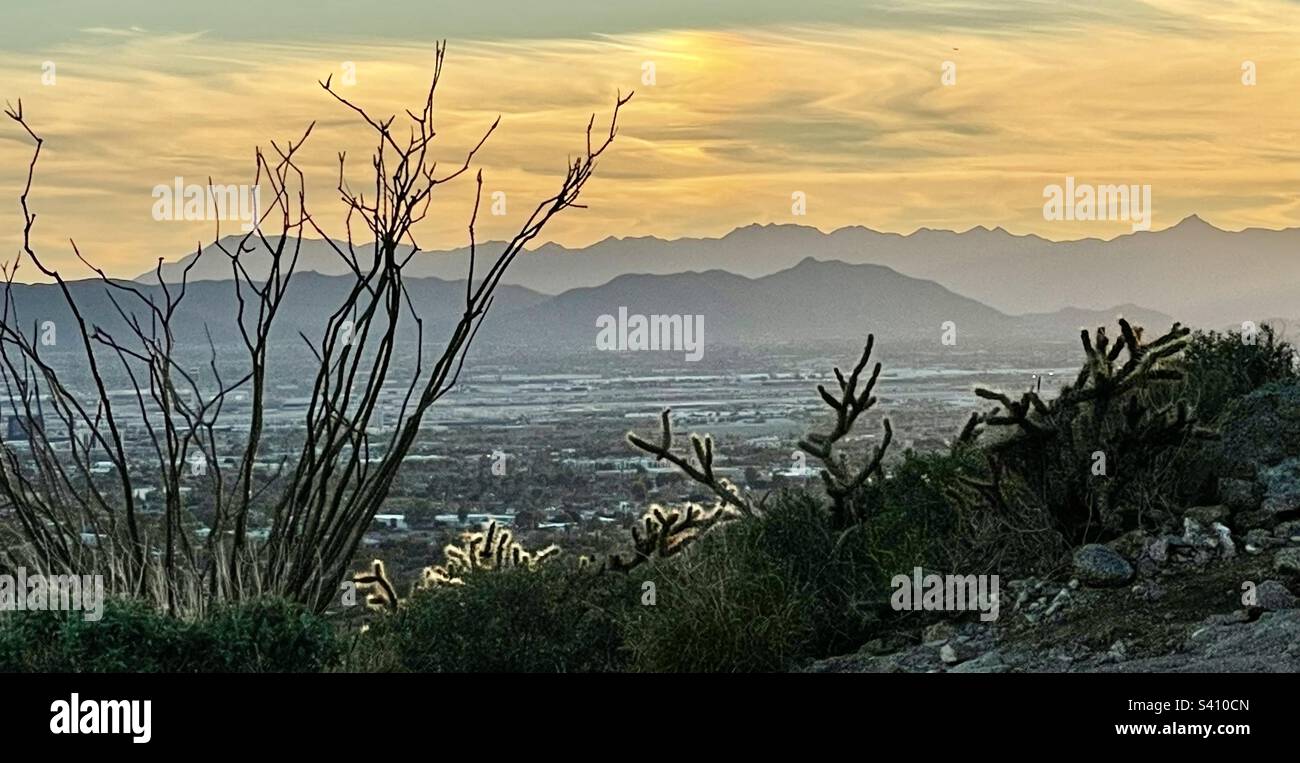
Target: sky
column 892, row 115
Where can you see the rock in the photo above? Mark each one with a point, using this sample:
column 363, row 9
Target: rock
column 1130, row 545
column 882, row 646
column 1153, row 592
column 1158, row 550
column 985, row 663
column 1270, row 644
column 1234, row 617
column 957, row 651
column 938, row 633
column 1273, row 596
column 1227, row 549
column 1239, row 495
column 1262, row 428
column 1287, row 561
column 1259, row 538
column 1101, row 566
column 1207, row 515
column 857, row 663
column 1197, row 538
column 1062, row 600
column 1281, row 487
column 1288, row 530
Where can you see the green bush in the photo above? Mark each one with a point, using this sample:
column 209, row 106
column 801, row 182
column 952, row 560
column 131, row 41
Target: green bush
column 1219, row 370
column 131, row 637
column 256, row 636
column 1223, row 367
column 265, row 636
column 760, row 594
column 551, row 619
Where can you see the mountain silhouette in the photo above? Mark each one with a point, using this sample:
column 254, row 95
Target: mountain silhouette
column 1201, row 274
column 813, row 301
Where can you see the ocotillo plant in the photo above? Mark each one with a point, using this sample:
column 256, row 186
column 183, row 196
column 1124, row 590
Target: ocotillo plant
column 295, row 532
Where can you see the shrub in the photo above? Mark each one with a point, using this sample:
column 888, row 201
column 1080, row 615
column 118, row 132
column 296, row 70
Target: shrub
column 130, row 637
column 1220, row 368
column 760, row 594
column 552, row 618
column 263, row 635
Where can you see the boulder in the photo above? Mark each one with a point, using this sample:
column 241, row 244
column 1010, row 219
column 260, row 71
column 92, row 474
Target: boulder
column 1274, row 596
column 1101, row 566
column 1261, row 429
column 1281, row 485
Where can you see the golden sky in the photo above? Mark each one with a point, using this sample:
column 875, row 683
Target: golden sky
column 843, row 102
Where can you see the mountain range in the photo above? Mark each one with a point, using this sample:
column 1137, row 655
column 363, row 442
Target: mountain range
column 813, row 301
column 1201, row 274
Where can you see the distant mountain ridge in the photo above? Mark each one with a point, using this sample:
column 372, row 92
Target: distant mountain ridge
column 1193, row 270
column 814, row 301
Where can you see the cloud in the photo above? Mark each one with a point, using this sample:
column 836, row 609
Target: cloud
column 848, row 107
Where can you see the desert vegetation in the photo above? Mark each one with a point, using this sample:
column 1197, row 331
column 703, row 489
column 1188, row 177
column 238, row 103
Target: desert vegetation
column 743, row 581
column 316, row 506
column 758, row 582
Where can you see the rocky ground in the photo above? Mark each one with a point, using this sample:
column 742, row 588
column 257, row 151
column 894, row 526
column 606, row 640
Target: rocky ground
column 1219, row 596
column 1206, row 608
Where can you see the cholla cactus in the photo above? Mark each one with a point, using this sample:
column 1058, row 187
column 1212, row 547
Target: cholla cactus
column 492, row 549
column 1079, row 451
column 842, row 482
column 664, row 532
column 379, row 591
column 701, row 471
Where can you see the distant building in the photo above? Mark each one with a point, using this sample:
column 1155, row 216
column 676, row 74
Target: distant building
column 479, row 520
column 796, row 472
column 392, row 521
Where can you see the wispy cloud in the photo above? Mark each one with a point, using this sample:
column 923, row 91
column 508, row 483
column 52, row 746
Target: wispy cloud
column 844, row 104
